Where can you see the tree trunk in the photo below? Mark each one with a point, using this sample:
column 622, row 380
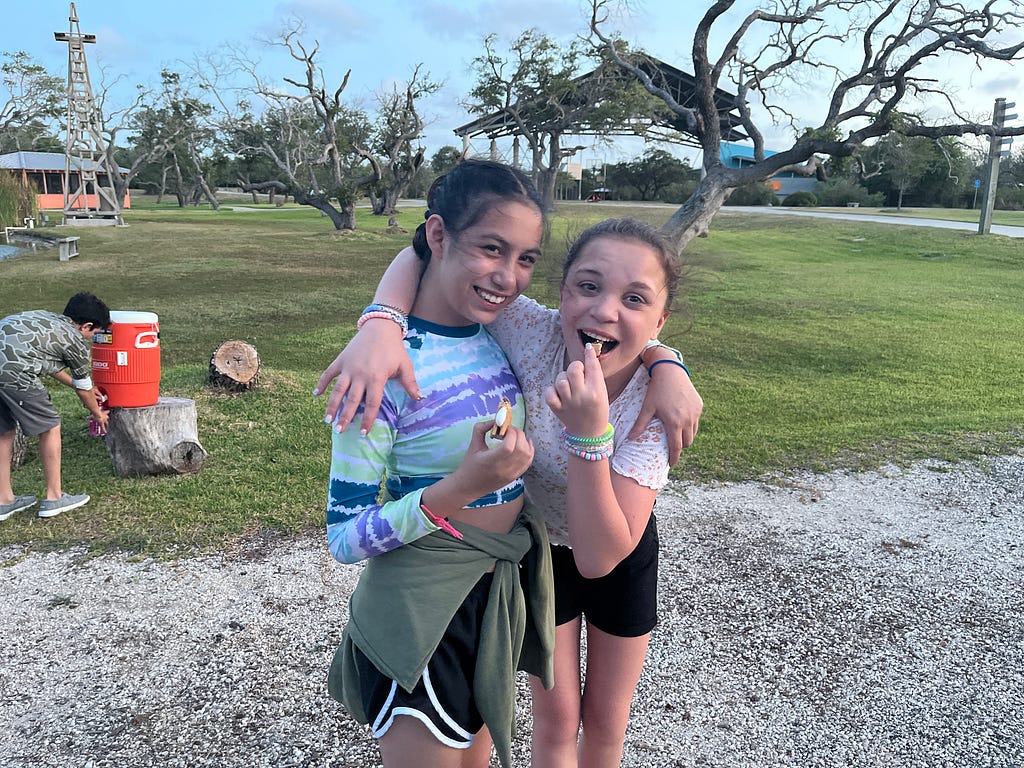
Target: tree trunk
column 694, row 217
column 163, row 186
column 180, row 193
column 159, row 439
column 379, row 205
column 235, row 367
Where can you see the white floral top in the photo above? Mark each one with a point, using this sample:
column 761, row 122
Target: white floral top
column 531, row 336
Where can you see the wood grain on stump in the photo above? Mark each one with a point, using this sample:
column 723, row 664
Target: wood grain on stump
column 235, row 367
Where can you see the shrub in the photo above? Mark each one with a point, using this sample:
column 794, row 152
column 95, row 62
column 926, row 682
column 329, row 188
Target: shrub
column 757, row 193
column 841, row 191
column 801, row 200
column 17, row 200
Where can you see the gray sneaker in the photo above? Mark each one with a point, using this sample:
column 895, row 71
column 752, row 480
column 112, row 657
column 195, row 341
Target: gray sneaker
column 19, row 503
column 53, row 507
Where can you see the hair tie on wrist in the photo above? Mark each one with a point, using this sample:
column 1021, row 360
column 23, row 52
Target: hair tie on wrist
column 650, row 368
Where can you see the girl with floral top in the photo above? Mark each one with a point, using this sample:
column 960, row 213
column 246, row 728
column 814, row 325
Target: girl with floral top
column 593, row 480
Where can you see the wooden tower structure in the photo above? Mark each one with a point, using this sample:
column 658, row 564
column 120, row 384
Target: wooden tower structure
column 88, row 202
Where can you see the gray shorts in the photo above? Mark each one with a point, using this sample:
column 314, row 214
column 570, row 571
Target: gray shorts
column 30, row 408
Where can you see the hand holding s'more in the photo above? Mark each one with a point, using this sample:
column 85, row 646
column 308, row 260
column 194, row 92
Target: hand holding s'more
column 502, row 419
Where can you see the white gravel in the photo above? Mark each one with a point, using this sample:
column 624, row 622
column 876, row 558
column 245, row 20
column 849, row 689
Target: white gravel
column 872, row 619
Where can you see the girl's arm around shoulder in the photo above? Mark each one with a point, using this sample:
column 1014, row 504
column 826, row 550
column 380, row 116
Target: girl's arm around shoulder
column 672, row 398
column 376, row 353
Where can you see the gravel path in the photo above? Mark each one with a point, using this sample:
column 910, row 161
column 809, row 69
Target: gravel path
column 872, row 619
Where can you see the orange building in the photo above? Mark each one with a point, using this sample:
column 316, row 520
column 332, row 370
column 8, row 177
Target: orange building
column 45, row 172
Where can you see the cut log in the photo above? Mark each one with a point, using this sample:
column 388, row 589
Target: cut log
column 18, row 457
column 235, row 367
column 159, row 439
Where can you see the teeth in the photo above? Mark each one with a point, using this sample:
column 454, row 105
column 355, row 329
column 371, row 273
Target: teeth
column 597, row 337
column 490, row 298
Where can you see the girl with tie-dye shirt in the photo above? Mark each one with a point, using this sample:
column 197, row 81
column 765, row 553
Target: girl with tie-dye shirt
column 406, row 492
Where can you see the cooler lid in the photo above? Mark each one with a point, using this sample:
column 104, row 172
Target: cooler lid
column 122, row 316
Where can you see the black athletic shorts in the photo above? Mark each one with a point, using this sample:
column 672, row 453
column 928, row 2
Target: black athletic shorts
column 443, row 698
column 624, row 603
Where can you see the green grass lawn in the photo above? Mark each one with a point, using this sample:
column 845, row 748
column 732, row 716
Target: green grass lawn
column 815, row 344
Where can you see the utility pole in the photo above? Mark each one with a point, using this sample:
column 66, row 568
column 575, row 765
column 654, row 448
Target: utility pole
column 998, row 146
column 83, row 148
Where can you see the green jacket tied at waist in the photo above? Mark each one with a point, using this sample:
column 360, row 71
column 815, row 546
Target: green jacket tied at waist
column 406, row 598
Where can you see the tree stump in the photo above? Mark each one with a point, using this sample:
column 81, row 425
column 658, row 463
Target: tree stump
column 18, row 457
column 157, row 439
column 234, row 367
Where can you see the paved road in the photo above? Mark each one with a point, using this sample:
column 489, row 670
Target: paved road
column 997, row 229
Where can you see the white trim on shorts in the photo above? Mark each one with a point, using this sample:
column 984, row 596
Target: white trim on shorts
column 378, row 730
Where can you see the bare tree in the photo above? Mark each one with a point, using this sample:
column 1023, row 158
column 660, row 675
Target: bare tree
column 301, row 130
column 392, row 157
column 769, row 50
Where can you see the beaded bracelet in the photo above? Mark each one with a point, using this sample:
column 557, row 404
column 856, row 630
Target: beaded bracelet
column 576, row 440
column 590, row 448
column 650, row 368
column 384, row 312
column 600, row 455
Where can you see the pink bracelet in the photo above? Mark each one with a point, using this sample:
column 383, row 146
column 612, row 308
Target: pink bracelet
column 382, row 315
column 441, row 523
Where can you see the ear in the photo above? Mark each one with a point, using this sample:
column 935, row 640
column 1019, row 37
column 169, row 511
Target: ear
column 436, row 235
column 660, row 325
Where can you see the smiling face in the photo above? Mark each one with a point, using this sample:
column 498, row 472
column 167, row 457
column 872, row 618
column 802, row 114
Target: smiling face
column 614, row 292
column 474, row 275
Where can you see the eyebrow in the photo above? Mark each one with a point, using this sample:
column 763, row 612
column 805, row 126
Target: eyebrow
column 636, row 284
column 506, row 243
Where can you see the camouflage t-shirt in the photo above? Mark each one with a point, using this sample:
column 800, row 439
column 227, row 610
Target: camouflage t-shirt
column 39, row 343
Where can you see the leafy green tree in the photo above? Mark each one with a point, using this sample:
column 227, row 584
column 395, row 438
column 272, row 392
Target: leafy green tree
column 446, row 158
column 538, row 87
column 650, row 175
column 169, row 129
column 31, row 101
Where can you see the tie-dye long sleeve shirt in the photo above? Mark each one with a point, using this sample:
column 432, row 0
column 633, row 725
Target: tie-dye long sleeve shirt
column 376, row 481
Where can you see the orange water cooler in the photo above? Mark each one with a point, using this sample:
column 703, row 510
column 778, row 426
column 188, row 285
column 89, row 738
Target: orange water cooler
column 126, row 360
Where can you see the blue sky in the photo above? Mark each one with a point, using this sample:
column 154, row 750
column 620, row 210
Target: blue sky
column 381, row 42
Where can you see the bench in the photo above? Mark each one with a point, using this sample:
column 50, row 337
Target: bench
column 67, row 247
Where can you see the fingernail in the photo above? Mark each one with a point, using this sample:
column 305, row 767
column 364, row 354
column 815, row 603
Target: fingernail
column 327, row 419
column 315, row 391
column 362, row 433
